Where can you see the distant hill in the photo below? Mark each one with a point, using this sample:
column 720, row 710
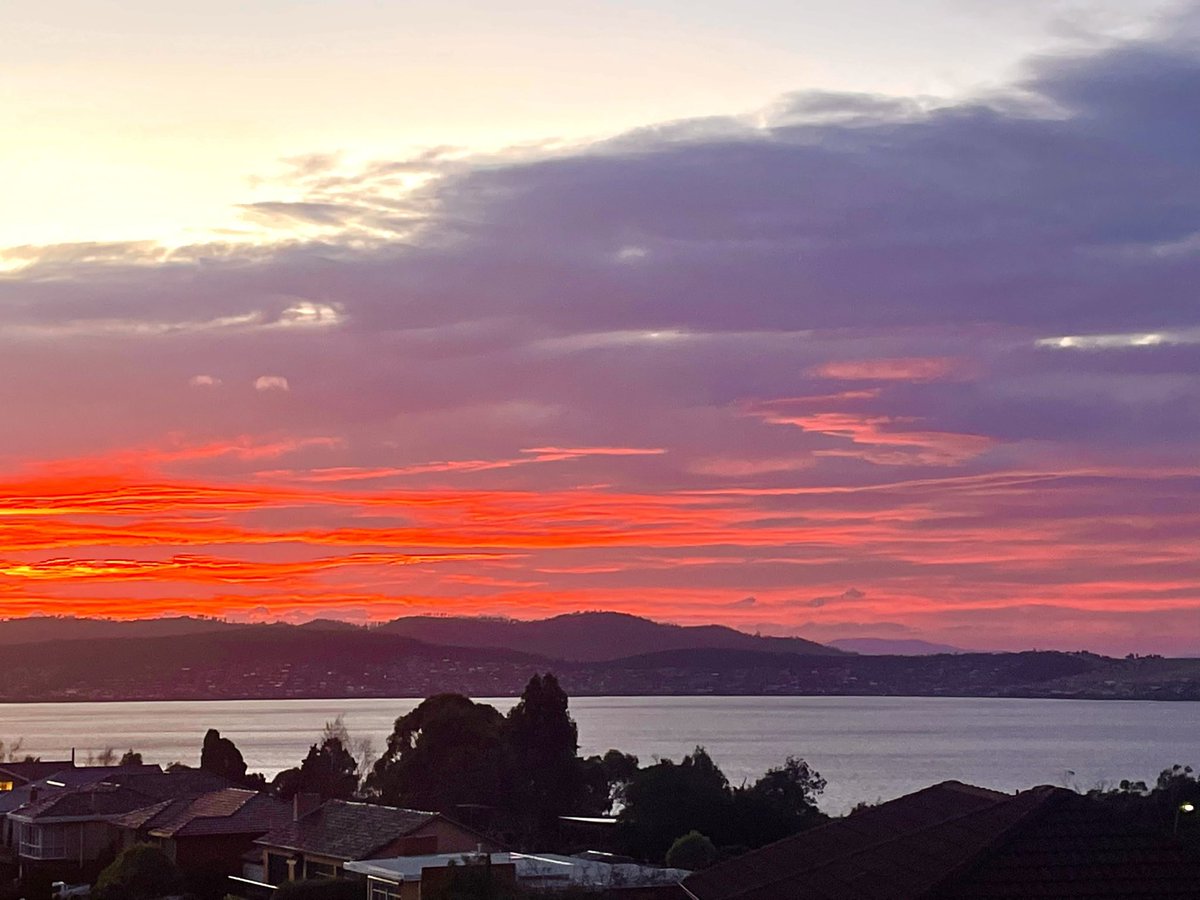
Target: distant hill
column 890, row 647
column 330, row 625
column 256, row 661
column 288, row 661
column 36, row 629
column 591, row 636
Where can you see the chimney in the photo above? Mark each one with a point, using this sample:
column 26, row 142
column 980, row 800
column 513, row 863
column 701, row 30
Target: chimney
column 304, row 803
column 33, row 795
column 72, row 757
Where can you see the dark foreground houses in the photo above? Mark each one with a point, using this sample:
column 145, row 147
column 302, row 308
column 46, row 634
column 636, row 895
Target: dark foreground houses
column 954, row 840
column 951, row 840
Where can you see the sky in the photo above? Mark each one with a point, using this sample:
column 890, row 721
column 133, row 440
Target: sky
column 832, row 319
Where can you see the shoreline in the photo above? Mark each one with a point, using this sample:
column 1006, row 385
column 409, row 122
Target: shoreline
column 193, row 698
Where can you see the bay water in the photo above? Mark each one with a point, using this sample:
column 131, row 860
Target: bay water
column 867, row 748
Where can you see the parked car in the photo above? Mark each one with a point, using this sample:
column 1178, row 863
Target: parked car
column 60, row 890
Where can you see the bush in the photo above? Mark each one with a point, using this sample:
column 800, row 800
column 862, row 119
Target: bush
column 140, row 872
column 692, row 851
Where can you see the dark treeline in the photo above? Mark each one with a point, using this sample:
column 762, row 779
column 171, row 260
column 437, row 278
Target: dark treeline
column 515, row 776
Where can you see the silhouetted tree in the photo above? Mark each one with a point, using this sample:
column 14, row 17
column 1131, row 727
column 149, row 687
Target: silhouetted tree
column 619, row 770
column 548, row 778
column 328, row 770
column 446, row 752
column 1162, row 806
column 130, row 758
column 221, row 757
column 781, row 803
column 361, row 748
column 666, row 801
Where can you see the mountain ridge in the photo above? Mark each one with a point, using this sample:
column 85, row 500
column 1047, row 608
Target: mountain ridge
column 591, row 636
column 573, row 637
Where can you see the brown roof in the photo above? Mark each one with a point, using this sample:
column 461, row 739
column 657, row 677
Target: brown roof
column 228, row 811
column 104, row 792
column 844, row 858
column 954, row 840
column 345, row 830
column 1080, row 847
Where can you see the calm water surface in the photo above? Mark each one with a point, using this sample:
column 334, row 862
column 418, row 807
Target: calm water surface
column 868, row 748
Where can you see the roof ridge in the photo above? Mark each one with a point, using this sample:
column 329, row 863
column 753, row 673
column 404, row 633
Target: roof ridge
column 1002, row 799
column 1044, row 794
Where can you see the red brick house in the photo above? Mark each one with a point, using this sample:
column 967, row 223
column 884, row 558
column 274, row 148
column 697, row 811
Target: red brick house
column 322, row 837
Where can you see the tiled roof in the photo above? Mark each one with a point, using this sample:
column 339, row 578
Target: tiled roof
column 229, row 811
column 344, row 830
column 955, row 841
column 1078, row 847
column 94, row 801
column 844, row 858
column 160, row 785
column 102, row 792
column 138, row 818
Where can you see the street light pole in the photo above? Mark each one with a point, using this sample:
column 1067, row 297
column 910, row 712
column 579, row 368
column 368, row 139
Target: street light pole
column 1184, row 807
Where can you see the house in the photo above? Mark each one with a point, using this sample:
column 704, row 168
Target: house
column 70, row 831
column 412, row 877
column 206, row 834
column 40, row 781
column 322, row 837
column 67, row 823
column 955, row 840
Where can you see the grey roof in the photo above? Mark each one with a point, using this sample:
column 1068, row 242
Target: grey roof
column 25, row 772
column 97, row 801
column 81, row 776
column 345, row 830
column 172, row 785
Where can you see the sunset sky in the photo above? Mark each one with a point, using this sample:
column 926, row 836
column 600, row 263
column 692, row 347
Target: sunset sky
column 828, row 318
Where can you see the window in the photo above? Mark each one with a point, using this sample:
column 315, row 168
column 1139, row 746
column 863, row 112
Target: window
column 6, row 786
column 43, row 841
column 319, row 870
column 383, row 890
